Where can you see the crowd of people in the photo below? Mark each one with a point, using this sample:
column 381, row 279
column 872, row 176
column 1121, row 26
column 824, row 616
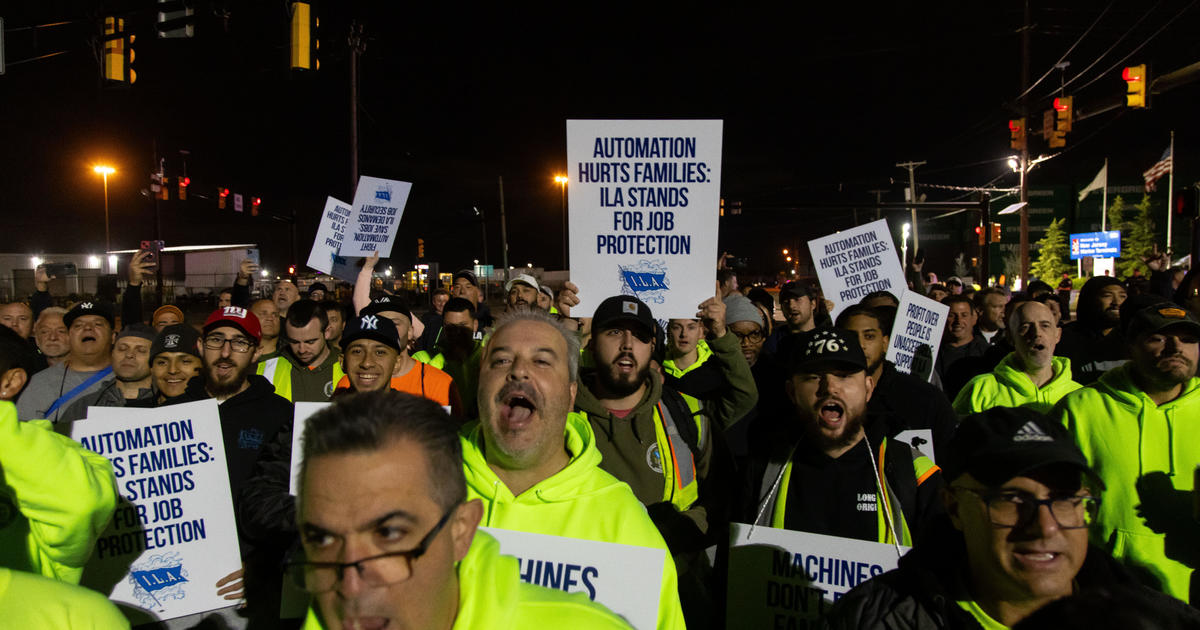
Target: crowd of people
column 1062, row 488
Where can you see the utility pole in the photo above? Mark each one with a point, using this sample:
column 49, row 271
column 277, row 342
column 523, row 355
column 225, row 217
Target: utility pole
column 912, row 187
column 1024, row 247
column 158, row 265
column 878, row 200
column 503, row 231
column 357, row 46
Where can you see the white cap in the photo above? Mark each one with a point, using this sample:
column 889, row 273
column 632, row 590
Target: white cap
column 525, row 278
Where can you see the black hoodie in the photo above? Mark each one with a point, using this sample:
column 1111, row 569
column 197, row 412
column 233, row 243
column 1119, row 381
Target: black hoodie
column 1091, row 352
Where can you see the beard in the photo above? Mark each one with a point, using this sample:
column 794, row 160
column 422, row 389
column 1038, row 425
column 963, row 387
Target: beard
column 223, row 388
column 621, row 385
column 849, row 434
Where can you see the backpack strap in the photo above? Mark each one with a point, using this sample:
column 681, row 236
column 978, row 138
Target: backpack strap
column 684, row 418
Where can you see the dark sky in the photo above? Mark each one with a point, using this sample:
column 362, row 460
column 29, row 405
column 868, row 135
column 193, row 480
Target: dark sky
column 818, row 103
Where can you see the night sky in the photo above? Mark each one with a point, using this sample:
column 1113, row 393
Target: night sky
column 818, row 103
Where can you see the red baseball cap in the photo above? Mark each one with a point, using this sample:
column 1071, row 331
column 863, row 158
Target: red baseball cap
column 235, row 316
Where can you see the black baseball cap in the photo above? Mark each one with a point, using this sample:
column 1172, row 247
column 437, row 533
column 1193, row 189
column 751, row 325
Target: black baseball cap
column 795, row 289
column 826, row 349
column 89, row 307
column 175, row 338
column 1148, row 314
column 468, row 274
column 371, row 326
column 387, row 303
column 1005, row 442
column 622, row 308
column 317, row 286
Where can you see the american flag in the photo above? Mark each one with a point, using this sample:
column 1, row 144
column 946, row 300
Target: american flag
column 1160, row 168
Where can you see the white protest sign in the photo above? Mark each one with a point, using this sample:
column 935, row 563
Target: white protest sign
column 173, row 534
column 644, row 202
column 917, row 334
column 330, row 232
column 852, row 263
column 625, row 578
column 785, row 579
column 302, row 412
column 375, row 216
column 920, row 439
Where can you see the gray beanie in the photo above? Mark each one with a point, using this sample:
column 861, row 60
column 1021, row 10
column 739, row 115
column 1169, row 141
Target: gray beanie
column 739, row 308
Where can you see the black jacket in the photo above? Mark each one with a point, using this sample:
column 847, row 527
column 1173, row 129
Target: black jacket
column 906, row 402
column 922, row 592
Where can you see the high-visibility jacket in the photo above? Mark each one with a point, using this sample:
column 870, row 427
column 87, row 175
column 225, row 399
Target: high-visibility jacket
column 35, row 602
column 703, row 353
column 1145, row 454
column 1009, row 386
column 56, row 499
column 278, row 371
column 579, row 501
column 773, row 508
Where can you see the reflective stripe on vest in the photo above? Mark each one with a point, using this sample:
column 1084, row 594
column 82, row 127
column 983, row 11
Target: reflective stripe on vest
column 438, row 360
column 679, row 471
column 278, row 373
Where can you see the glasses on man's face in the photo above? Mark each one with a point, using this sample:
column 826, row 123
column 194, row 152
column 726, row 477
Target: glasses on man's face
column 238, row 344
column 1010, row 508
column 381, row 570
column 751, row 337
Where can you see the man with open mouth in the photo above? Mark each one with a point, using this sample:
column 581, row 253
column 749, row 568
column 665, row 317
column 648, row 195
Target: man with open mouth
column 1014, row 539
column 1030, row 375
column 837, row 479
column 57, row 393
column 1136, row 426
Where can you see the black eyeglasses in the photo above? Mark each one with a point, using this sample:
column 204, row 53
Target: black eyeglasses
column 1010, row 508
column 380, row 570
column 238, row 344
column 752, row 337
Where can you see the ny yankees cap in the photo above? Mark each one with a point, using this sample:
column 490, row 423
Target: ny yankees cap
column 371, row 326
column 622, row 308
column 175, row 338
column 235, row 316
column 386, row 303
column 88, row 307
column 1000, row 443
column 827, row 349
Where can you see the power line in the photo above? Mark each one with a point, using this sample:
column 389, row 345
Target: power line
column 1134, row 51
column 1064, row 55
column 1110, row 49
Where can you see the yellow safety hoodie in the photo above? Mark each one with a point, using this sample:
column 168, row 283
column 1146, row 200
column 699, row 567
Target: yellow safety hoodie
column 278, row 372
column 1009, row 386
column 579, row 501
column 55, row 500
column 703, row 352
column 491, row 595
column 1145, row 454
column 32, row 602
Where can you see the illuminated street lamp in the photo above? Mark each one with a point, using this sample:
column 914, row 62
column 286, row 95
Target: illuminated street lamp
column 105, row 171
column 561, row 180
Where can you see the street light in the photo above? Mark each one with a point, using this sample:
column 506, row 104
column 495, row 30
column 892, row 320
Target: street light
column 905, row 230
column 105, row 171
column 561, row 180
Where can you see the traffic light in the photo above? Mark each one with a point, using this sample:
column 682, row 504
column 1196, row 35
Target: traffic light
column 175, row 19
column 995, row 232
column 420, row 248
column 1135, row 90
column 979, row 233
column 255, row 202
column 722, row 206
column 291, row 270
column 183, row 184
column 222, row 193
column 118, row 53
column 305, row 44
column 1017, row 129
column 1066, row 113
column 166, row 188
column 1048, row 124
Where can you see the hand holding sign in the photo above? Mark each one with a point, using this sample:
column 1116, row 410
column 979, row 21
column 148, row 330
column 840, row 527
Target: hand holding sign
column 712, row 315
column 233, row 586
column 567, row 297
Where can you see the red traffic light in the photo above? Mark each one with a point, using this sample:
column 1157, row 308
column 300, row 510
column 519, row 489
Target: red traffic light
column 291, row 270
column 184, row 181
column 224, row 192
column 1015, row 126
column 978, row 230
column 1062, row 104
column 256, row 201
column 1132, row 73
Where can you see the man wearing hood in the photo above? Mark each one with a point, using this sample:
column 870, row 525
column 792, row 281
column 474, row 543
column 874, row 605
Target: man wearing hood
column 1092, row 342
column 1029, row 376
column 1136, row 425
column 536, row 465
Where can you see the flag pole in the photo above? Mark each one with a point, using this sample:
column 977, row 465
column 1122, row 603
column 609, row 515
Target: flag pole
column 1104, row 200
column 1170, row 194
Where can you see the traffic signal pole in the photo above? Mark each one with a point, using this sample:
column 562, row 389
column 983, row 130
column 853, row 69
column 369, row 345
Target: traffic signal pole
column 1024, row 165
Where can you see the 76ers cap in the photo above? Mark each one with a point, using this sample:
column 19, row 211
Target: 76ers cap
column 235, row 316
column 827, row 349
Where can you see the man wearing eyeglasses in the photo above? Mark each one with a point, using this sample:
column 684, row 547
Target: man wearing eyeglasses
column 390, row 538
column 1019, row 500
column 1136, row 425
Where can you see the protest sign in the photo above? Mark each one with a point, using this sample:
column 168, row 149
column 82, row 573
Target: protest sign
column 330, row 232
column 345, row 269
column 917, row 334
column 852, row 263
column 644, row 202
column 303, row 411
column 375, row 216
column 920, row 439
column 625, row 578
column 172, row 535
column 786, row 579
